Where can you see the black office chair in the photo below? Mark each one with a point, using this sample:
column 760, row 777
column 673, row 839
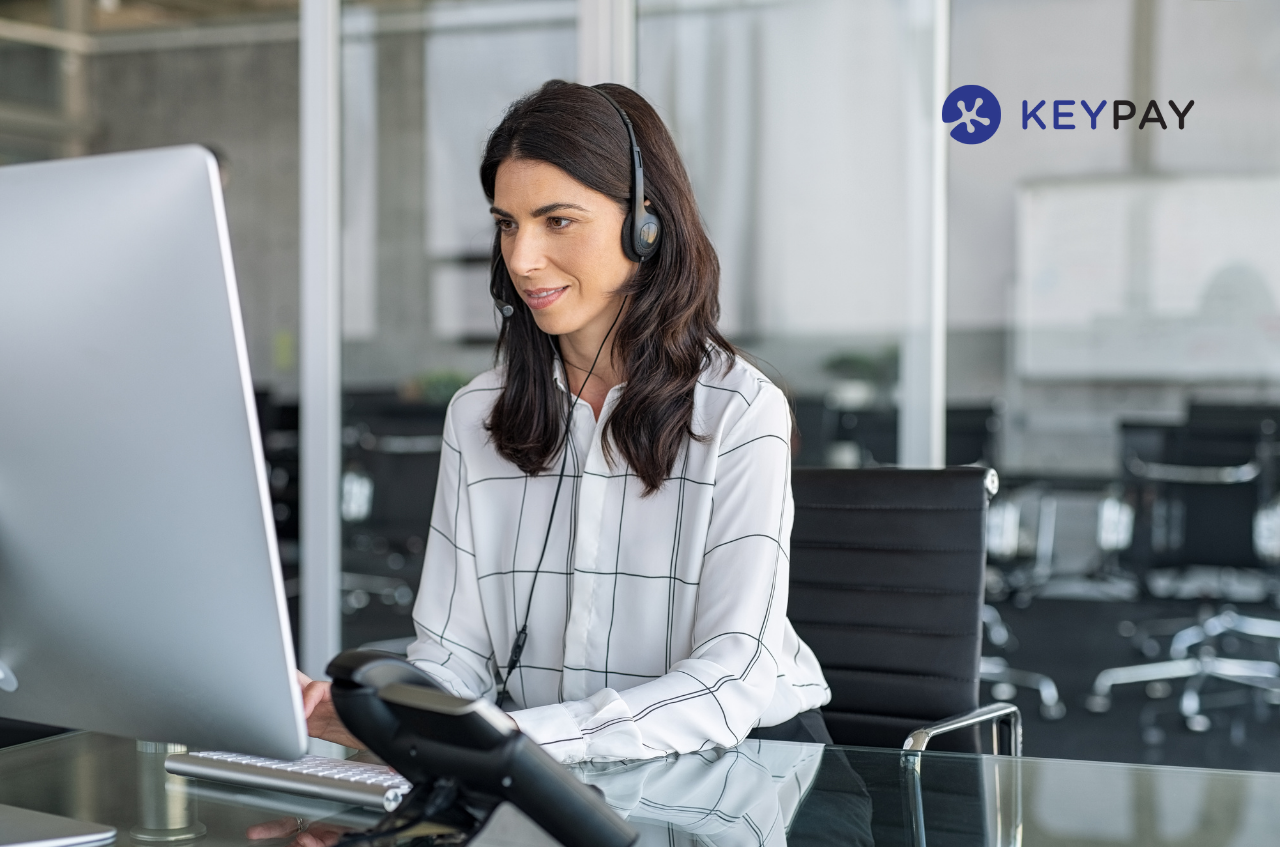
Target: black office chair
column 887, row 569
column 1206, row 493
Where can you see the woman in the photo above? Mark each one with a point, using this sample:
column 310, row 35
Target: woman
column 608, row 548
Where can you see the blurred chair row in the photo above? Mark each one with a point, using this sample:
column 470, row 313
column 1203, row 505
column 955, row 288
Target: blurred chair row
column 391, row 456
column 1194, row 515
column 836, row 432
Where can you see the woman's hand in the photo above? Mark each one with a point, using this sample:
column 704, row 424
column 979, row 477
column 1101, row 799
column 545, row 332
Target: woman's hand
column 322, row 718
column 302, row 834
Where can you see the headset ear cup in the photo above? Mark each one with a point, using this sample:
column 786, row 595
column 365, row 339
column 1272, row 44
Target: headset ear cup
column 629, row 240
column 647, row 235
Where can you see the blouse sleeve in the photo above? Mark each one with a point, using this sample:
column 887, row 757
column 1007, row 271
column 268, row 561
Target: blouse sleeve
column 453, row 644
column 718, row 694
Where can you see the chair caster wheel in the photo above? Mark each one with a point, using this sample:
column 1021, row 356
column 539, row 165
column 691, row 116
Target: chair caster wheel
column 1097, row 703
column 1053, row 711
column 1198, row 723
column 1003, row 691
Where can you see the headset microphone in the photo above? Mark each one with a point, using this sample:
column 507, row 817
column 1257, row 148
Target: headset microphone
column 497, row 273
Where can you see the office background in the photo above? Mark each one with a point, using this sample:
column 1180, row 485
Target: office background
column 1110, row 293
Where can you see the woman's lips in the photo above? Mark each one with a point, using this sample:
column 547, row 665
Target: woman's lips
column 541, row 298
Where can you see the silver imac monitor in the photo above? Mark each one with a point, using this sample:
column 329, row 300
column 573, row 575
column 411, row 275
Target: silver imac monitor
column 140, row 588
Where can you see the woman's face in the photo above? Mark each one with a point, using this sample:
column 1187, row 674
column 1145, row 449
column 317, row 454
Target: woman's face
column 562, row 243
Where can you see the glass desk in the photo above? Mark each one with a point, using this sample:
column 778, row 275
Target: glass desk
column 762, row 793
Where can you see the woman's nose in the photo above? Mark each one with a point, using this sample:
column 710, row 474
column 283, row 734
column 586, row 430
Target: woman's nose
column 525, row 254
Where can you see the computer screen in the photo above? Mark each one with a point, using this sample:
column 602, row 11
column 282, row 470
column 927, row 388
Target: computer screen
column 140, row 589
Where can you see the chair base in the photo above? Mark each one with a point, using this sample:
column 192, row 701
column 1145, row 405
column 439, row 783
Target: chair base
column 997, row 671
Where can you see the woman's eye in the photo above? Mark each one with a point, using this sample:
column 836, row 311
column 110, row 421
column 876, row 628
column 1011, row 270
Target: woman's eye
column 557, row 223
column 505, row 225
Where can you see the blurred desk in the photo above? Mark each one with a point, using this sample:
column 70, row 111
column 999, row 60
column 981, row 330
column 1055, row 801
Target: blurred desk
column 762, row 793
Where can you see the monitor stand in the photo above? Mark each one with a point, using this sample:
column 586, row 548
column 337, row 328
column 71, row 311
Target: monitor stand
column 24, row 828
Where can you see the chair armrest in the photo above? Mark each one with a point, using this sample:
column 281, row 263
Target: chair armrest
column 1162, row 472
column 996, row 713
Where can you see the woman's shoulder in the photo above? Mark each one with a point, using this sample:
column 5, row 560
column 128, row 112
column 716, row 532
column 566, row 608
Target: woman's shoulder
column 729, row 388
column 480, row 391
column 737, row 377
column 470, row 406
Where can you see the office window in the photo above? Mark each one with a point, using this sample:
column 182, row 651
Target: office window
column 1129, row 272
column 422, row 87
column 103, row 76
column 1113, row 244
column 803, row 126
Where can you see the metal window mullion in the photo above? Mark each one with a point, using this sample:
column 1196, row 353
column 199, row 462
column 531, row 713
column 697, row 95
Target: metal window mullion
column 940, row 242
column 607, row 42
column 923, row 380
column 320, row 354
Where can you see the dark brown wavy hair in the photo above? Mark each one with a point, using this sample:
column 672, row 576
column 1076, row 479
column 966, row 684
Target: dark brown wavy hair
column 667, row 335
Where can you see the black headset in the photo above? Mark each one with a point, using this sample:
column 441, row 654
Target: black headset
column 641, row 229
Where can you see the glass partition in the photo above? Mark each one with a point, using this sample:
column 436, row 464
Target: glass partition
column 805, row 128
column 100, row 76
column 29, row 90
column 1113, row 248
column 821, row 223
column 422, row 86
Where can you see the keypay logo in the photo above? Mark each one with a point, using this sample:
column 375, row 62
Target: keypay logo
column 976, row 109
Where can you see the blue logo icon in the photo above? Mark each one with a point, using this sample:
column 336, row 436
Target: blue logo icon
column 976, row 109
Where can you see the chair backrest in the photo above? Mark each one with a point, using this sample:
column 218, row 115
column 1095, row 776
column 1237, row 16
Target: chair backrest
column 887, row 570
column 1207, row 521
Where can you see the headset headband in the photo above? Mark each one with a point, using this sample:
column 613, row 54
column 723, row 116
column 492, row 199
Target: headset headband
column 642, row 229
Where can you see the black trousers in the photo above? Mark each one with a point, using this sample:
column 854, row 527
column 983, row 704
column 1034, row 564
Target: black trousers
column 806, row 726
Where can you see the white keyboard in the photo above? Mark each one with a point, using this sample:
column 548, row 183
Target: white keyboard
column 353, row 783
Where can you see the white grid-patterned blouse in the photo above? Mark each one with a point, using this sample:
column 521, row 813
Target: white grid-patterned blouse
column 658, row 624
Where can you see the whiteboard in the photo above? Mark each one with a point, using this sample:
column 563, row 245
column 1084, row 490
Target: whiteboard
column 1149, row 279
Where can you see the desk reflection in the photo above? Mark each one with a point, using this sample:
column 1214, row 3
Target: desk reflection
column 754, row 794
